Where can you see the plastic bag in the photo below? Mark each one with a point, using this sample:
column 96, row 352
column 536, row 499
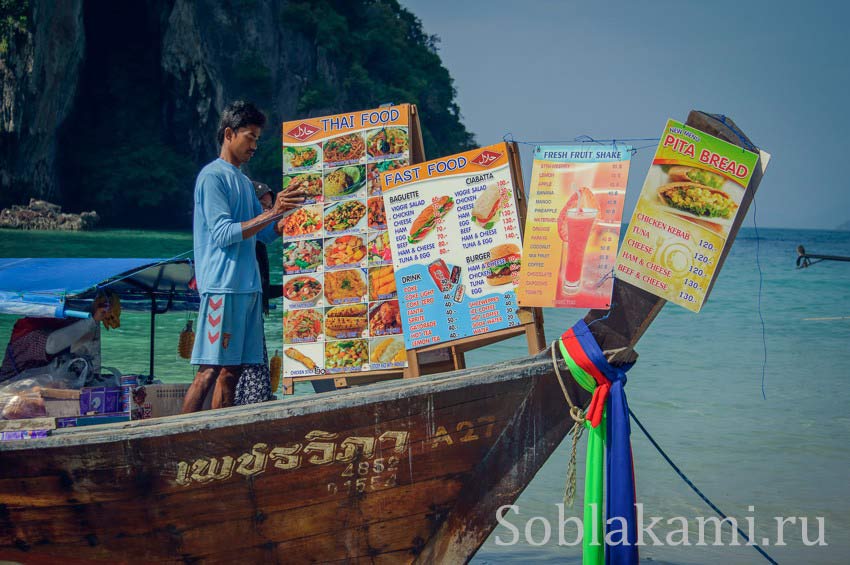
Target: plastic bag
column 19, row 396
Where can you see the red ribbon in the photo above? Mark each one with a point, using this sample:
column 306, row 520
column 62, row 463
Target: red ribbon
column 603, row 385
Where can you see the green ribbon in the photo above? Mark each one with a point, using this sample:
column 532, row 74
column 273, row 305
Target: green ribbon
column 593, row 523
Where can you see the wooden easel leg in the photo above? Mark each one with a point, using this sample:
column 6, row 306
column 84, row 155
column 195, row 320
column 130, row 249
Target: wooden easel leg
column 288, row 385
column 458, row 359
column 534, row 332
column 412, row 369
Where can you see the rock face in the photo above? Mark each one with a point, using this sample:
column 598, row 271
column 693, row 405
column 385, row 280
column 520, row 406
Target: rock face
column 39, row 74
column 114, row 105
column 42, row 215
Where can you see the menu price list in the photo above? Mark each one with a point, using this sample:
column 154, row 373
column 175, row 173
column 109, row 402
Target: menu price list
column 670, row 258
column 341, row 312
column 688, row 204
column 456, row 250
column 573, row 225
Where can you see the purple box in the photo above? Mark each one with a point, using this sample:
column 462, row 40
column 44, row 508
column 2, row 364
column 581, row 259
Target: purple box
column 85, row 400
column 96, row 400
column 100, row 400
column 22, row 434
column 110, row 400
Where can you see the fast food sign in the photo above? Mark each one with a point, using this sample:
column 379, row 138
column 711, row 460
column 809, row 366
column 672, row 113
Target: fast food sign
column 456, row 246
column 341, row 311
column 689, row 202
column 573, row 225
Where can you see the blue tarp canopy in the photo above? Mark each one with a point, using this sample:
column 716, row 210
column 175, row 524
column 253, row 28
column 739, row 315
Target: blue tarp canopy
column 59, row 288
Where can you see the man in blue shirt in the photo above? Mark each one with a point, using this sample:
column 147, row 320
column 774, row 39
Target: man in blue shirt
column 228, row 219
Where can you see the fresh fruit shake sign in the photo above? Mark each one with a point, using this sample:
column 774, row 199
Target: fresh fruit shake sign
column 573, row 225
column 455, row 238
column 341, row 311
column 681, row 222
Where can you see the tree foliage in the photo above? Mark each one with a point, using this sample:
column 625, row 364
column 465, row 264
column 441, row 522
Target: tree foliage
column 14, row 19
column 379, row 53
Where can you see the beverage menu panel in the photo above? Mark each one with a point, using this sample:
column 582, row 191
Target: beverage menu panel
column 573, row 225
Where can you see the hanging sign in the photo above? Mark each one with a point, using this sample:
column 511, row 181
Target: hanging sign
column 573, row 225
column 456, row 246
column 681, row 222
column 341, row 311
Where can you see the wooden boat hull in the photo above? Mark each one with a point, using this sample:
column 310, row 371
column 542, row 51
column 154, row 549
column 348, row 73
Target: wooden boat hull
column 401, row 471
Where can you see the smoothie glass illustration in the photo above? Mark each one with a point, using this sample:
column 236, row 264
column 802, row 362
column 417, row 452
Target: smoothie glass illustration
column 575, row 224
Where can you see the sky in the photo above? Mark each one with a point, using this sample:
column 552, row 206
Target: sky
column 546, row 70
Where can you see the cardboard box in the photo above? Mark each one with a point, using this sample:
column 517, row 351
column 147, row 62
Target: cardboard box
column 156, row 401
column 59, row 402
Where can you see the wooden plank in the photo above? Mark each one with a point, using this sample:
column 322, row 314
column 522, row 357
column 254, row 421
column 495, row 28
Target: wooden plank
column 28, row 424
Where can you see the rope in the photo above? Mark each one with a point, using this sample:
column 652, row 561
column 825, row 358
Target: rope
column 761, row 317
column 509, row 137
column 695, row 489
column 577, row 415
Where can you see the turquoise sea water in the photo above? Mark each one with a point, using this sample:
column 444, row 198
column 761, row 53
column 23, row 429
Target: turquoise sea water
column 697, row 387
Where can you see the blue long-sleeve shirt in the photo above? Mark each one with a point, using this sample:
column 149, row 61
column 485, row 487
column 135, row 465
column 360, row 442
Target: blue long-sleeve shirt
column 224, row 262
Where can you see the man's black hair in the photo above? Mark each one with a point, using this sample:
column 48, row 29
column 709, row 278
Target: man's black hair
column 237, row 115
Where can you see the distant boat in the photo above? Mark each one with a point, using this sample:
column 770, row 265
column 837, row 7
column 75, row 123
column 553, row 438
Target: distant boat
column 808, row 259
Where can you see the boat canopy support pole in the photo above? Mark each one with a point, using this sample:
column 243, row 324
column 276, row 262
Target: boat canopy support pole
column 153, row 333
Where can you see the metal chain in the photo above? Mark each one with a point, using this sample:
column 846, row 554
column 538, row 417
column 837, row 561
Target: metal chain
column 570, row 489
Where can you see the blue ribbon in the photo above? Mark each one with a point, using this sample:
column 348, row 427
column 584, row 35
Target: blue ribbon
column 620, row 476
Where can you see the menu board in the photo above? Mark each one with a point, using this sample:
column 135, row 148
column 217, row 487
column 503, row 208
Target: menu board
column 688, row 204
column 341, row 311
column 573, row 225
column 456, row 247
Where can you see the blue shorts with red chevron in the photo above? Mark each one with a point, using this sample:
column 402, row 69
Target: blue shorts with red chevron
column 230, row 330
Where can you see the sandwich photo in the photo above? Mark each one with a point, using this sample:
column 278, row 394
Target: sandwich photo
column 485, row 211
column 427, row 219
column 680, row 173
column 504, row 260
column 697, row 199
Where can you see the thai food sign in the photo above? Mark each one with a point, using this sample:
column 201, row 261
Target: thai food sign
column 573, row 225
column 456, row 247
column 341, row 310
column 682, row 220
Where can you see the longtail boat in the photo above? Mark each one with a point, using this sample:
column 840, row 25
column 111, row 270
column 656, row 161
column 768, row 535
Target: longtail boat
column 409, row 470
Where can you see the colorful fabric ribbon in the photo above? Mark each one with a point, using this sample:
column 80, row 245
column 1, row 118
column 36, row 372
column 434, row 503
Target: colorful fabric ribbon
column 592, row 372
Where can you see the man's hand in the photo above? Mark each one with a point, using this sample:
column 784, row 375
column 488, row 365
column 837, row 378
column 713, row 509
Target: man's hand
column 287, row 200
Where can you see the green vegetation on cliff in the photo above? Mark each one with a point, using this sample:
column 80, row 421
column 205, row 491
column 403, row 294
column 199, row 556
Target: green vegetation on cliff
column 379, row 53
column 14, row 17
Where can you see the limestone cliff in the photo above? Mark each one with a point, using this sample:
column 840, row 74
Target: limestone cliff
column 113, row 106
column 39, row 66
